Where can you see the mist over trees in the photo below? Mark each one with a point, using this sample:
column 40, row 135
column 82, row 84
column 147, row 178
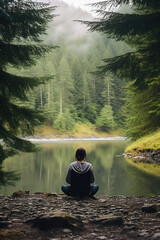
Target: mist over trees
column 74, row 94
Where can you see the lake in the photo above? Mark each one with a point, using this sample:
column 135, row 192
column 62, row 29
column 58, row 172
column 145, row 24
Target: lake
column 45, row 171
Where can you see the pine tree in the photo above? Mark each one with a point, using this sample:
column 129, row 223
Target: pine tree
column 22, row 23
column 106, row 121
column 64, row 121
column 65, row 85
column 139, row 28
column 79, row 88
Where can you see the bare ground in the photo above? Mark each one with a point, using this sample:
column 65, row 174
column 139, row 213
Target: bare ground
column 106, row 217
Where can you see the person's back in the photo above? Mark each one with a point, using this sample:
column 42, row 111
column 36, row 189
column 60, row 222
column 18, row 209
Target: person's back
column 80, row 175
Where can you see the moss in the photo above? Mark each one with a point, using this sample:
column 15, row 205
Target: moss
column 147, row 143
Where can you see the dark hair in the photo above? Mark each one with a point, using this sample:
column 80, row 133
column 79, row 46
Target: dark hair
column 80, row 154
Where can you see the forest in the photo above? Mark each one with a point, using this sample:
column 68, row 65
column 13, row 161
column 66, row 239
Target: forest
column 54, row 72
column 75, row 94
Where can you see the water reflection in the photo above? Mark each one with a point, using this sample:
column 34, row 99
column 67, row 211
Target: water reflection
column 46, row 170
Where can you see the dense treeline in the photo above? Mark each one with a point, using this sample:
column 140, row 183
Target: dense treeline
column 74, row 94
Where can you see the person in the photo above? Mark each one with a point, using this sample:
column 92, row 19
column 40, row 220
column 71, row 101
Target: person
column 80, row 176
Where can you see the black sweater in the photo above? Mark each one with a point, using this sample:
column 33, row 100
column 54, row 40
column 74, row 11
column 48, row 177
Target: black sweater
column 79, row 176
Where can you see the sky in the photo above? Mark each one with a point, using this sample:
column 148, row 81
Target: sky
column 80, row 3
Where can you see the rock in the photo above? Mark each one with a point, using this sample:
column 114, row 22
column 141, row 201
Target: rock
column 102, row 200
column 16, row 211
column 154, row 153
column 3, row 218
column 158, row 206
column 19, row 194
column 149, row 208
column 143, row 233
column 54, row 239
column 156, row 236
column 15, row 220
column 93, row 235
column 132, row 235
column 27, row 192
column 4, row 224
column 109, row 220
column 101, row 237
column 52, row 195
column 66, row 230
column 12, row 234
column 130, row 228
column 56, row 219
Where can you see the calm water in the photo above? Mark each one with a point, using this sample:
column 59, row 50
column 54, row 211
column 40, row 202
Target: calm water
column 45, row 171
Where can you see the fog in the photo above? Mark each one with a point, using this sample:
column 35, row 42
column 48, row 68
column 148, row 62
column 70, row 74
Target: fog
column 65, row 28
column 83, row 4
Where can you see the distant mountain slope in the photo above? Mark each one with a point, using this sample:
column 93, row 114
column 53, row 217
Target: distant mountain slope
column 65, row 27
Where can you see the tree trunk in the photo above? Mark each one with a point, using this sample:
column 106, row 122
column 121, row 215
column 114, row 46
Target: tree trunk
column 109, row 97
column 60, row 103
column 48, row 95
column 41, row 98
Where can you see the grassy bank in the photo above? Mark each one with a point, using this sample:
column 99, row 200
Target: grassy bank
column 80, row 130
column 148, row 143
column 142, row 147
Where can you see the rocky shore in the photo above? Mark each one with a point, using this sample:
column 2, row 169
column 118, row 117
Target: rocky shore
column 149, row 156
column 48, row 216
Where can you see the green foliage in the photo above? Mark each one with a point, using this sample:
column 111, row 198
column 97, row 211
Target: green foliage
column 79, row 88
column 90, row 113
column 140, row 65
column 72, row 86
column 65, row 84
column 64, row 121
column 106, row 121
column 75, row 88
column 22, row 24
column 8, row 177
column 143, row 111
column 149, row 142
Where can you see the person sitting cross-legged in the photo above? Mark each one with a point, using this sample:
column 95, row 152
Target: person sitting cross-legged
column 80, row 176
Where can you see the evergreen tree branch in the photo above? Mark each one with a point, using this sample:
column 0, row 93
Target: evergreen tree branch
column 123, row 26
column 117, row 3
column 18, row 117
column 22, row 54
column 22, row 86
column 22, row 24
